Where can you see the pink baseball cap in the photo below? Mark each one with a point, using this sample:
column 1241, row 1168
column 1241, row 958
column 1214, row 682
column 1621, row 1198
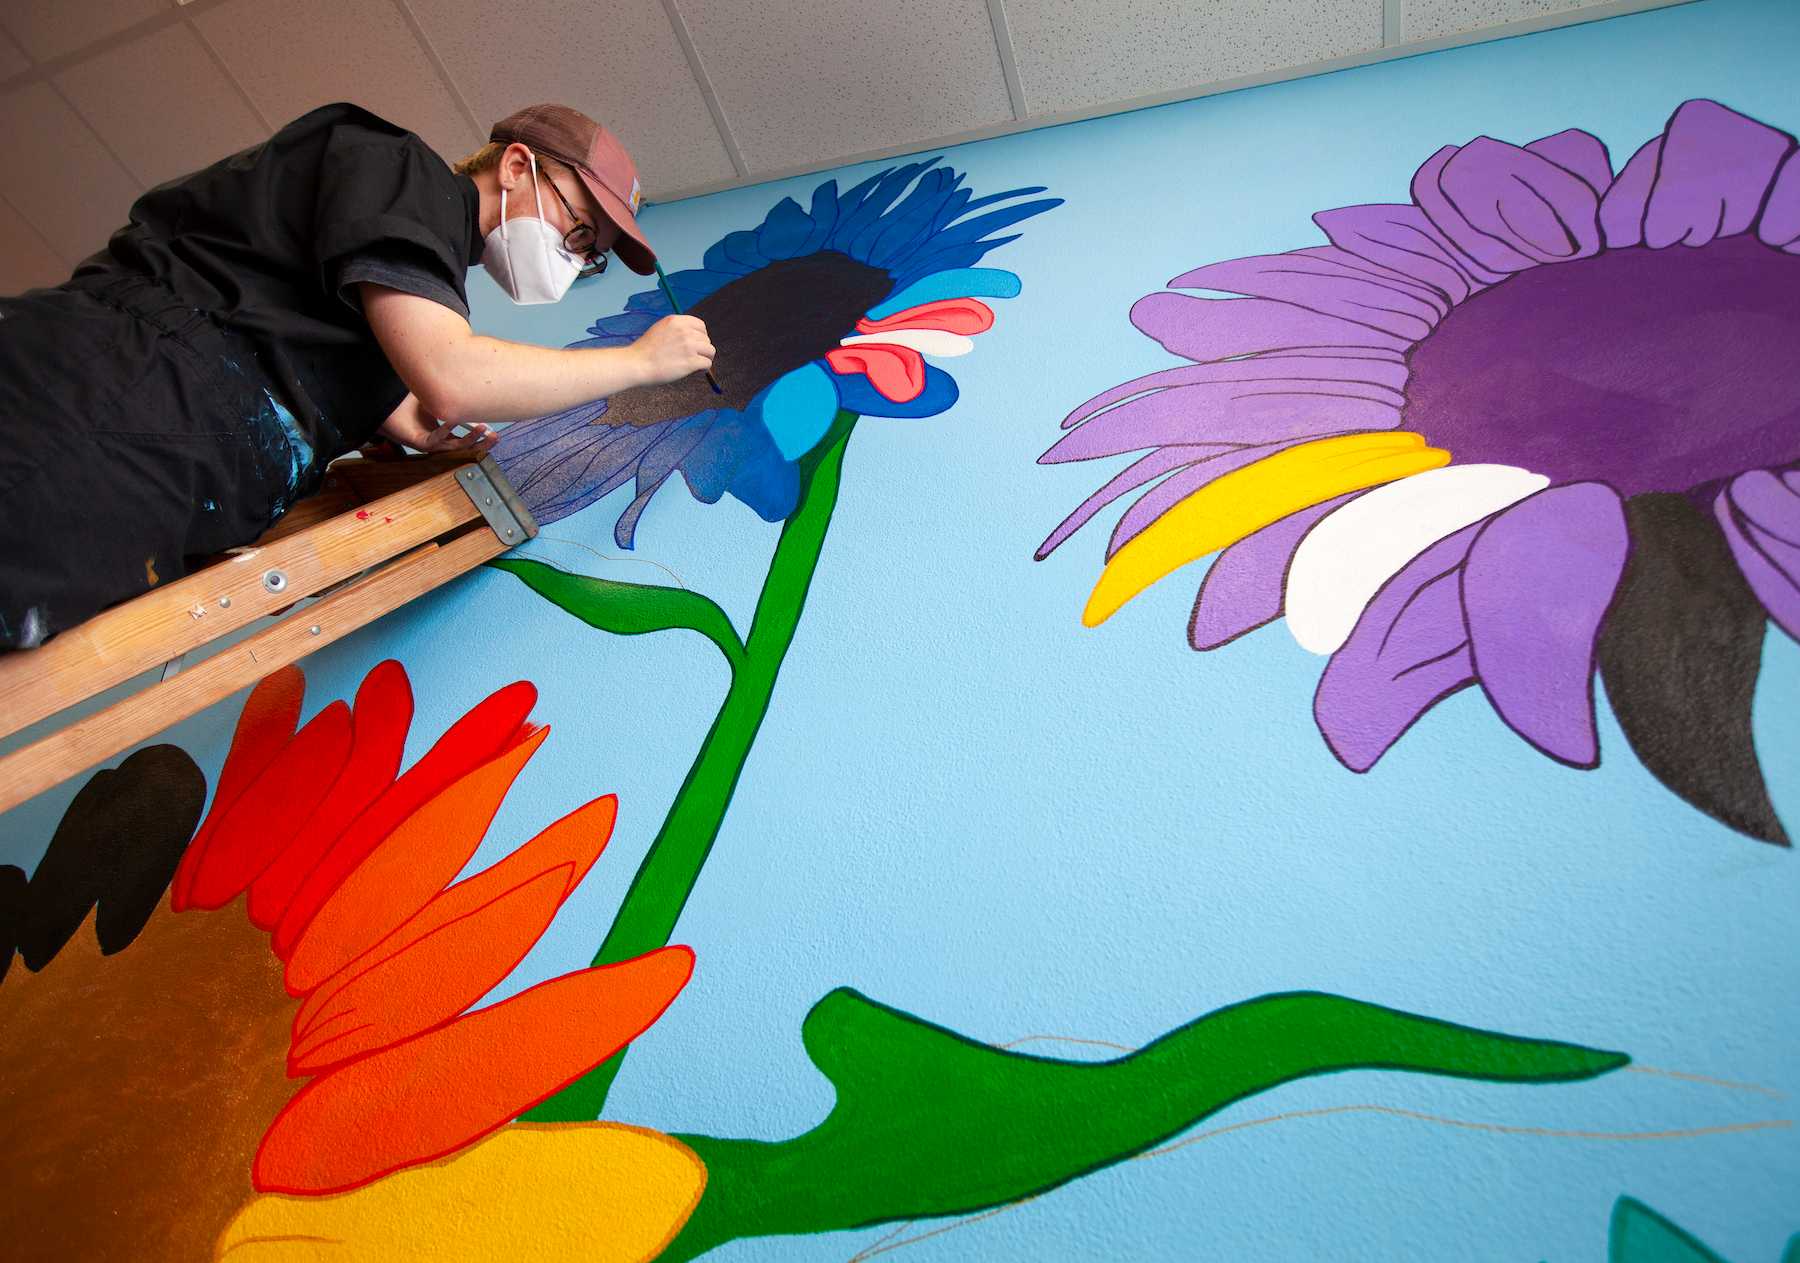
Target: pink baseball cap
column 595, row 154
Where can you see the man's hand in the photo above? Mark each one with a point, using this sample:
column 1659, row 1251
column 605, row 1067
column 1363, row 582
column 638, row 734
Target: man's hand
column 672, row 348
column 412, row 425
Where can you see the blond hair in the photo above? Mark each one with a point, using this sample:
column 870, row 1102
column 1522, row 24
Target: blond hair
column 485, row 158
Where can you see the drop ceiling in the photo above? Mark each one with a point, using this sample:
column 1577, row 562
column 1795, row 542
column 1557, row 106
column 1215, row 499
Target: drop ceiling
column 101, row 99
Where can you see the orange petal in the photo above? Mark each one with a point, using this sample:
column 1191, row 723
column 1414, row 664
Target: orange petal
column 384, row 708
column 953, row 315
column 478, row 736
column 897, row 372
column 263, row 728
column 571, row 845
column 428, row 1097
column 267, row 815
column 431, row 981
column 400, row 876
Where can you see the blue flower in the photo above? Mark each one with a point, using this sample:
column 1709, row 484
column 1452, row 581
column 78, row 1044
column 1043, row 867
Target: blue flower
column 812, row 311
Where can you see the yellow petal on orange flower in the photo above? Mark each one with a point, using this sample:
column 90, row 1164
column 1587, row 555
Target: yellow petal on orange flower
column 1248, row 499
column 415, row 862
column 552, row 1193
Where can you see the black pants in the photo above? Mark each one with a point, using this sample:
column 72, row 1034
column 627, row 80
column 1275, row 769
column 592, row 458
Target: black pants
column 134, row 435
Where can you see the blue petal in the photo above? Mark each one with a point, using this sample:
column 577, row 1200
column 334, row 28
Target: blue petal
column 824, row 216
column 783, row 234
column 799, row 408
column 856, row 395
column 626, row 326
column 718, row 259
column 955, row 283
column 848, row 203
column 690, row 286
column 741, row 249
column 883, row 195
column 714, row 462
column 945, row 260
column 765, row 481
column 970, row 230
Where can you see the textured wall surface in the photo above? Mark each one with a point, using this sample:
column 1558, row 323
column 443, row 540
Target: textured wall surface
column 975, row 810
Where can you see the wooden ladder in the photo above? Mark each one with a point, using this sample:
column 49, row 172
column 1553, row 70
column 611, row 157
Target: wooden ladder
column 378, row 534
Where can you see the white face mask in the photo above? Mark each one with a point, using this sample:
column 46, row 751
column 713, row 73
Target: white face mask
column 525, row 256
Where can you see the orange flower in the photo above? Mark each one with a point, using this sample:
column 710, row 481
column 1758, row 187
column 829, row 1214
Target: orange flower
column 348, row 865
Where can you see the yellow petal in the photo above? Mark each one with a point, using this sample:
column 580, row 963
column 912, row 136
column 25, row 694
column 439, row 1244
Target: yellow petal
column 1248, row 499
column 587, row 1192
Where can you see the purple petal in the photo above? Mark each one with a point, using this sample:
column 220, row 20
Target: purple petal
column 1759, row 514
column 1204, row 329
column 1478, row 185
column 1716, row 167
column 1165, row 495
column 1317, row 285
column 1580, row 152
column 1529, row 206
column 1145, row 469
column 1536, row 585
column 1403, row 239
column 1389, row 374
column 1408, row 652
column 1622, row 208
column 1780, row 223
column 1243, row 588
column 1380, row 275
column 1228, row 412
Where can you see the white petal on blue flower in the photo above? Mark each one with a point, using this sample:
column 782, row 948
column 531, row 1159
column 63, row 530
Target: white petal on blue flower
column 1344, row 560
column 799, row 408
column 954, row 283
column 924, row 341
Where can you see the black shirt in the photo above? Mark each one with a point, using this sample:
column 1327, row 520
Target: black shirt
column 271, row 243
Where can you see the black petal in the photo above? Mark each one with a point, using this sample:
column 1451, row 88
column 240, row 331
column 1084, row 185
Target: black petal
column 118, row 846
column 1679, row 655
column 12, row 911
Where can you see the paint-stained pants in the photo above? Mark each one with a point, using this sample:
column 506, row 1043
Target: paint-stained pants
column 129, row 444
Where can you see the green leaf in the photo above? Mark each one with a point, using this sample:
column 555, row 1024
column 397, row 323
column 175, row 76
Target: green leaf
column 930, row 1123
column 627, row 609
column 1640, row 1235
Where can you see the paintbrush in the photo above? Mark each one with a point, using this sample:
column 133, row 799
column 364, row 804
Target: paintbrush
column 662, row 279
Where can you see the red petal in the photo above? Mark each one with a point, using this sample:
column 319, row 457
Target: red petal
column 571, row 845
column 267, row 815
column 952, row 315
column 430, row 1096
column 897, row 372
column 384, row 708
column 411, row 864
column 477, row 737
column 263, row 728
column 431, row 981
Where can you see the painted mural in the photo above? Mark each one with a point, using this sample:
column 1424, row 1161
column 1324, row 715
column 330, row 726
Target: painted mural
column 1540, row 421
column 863, row 900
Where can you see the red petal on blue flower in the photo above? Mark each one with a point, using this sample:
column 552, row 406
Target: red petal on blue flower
column 898, row 372
column 952, row 315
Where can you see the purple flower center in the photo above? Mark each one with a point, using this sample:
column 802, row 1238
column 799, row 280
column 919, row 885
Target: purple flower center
column 763, row 325
column 1649, row 370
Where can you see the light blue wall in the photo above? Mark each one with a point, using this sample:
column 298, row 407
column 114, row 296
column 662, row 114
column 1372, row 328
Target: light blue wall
column 967, row 806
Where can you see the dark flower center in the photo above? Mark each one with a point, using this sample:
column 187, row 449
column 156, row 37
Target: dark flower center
column 763, row 325
column 1649, row 370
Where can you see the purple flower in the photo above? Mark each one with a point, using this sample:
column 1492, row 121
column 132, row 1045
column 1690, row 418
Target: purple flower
column 1540, row 421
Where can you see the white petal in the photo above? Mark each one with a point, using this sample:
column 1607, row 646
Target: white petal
column 924, row 341
column 1344, row 560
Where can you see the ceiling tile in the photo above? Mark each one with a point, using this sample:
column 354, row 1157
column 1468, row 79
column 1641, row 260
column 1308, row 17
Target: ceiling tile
column 808, row 81
column 78, row 194
column 25, row 261
column 631, row 76
column 12, row 61
column 294, row 55
column 162, row 105
column 1427, row 19
column 1075, row 54
column 50, row 28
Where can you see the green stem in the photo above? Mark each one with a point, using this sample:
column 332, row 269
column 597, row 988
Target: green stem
column 664, row 880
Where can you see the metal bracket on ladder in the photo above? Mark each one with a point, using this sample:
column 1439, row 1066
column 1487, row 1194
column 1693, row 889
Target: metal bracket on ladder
column 497, row 502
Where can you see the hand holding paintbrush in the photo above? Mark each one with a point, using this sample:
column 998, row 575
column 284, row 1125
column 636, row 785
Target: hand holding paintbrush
column 662, row 278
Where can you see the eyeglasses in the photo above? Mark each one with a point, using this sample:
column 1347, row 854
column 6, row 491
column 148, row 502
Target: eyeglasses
column 582, row 238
